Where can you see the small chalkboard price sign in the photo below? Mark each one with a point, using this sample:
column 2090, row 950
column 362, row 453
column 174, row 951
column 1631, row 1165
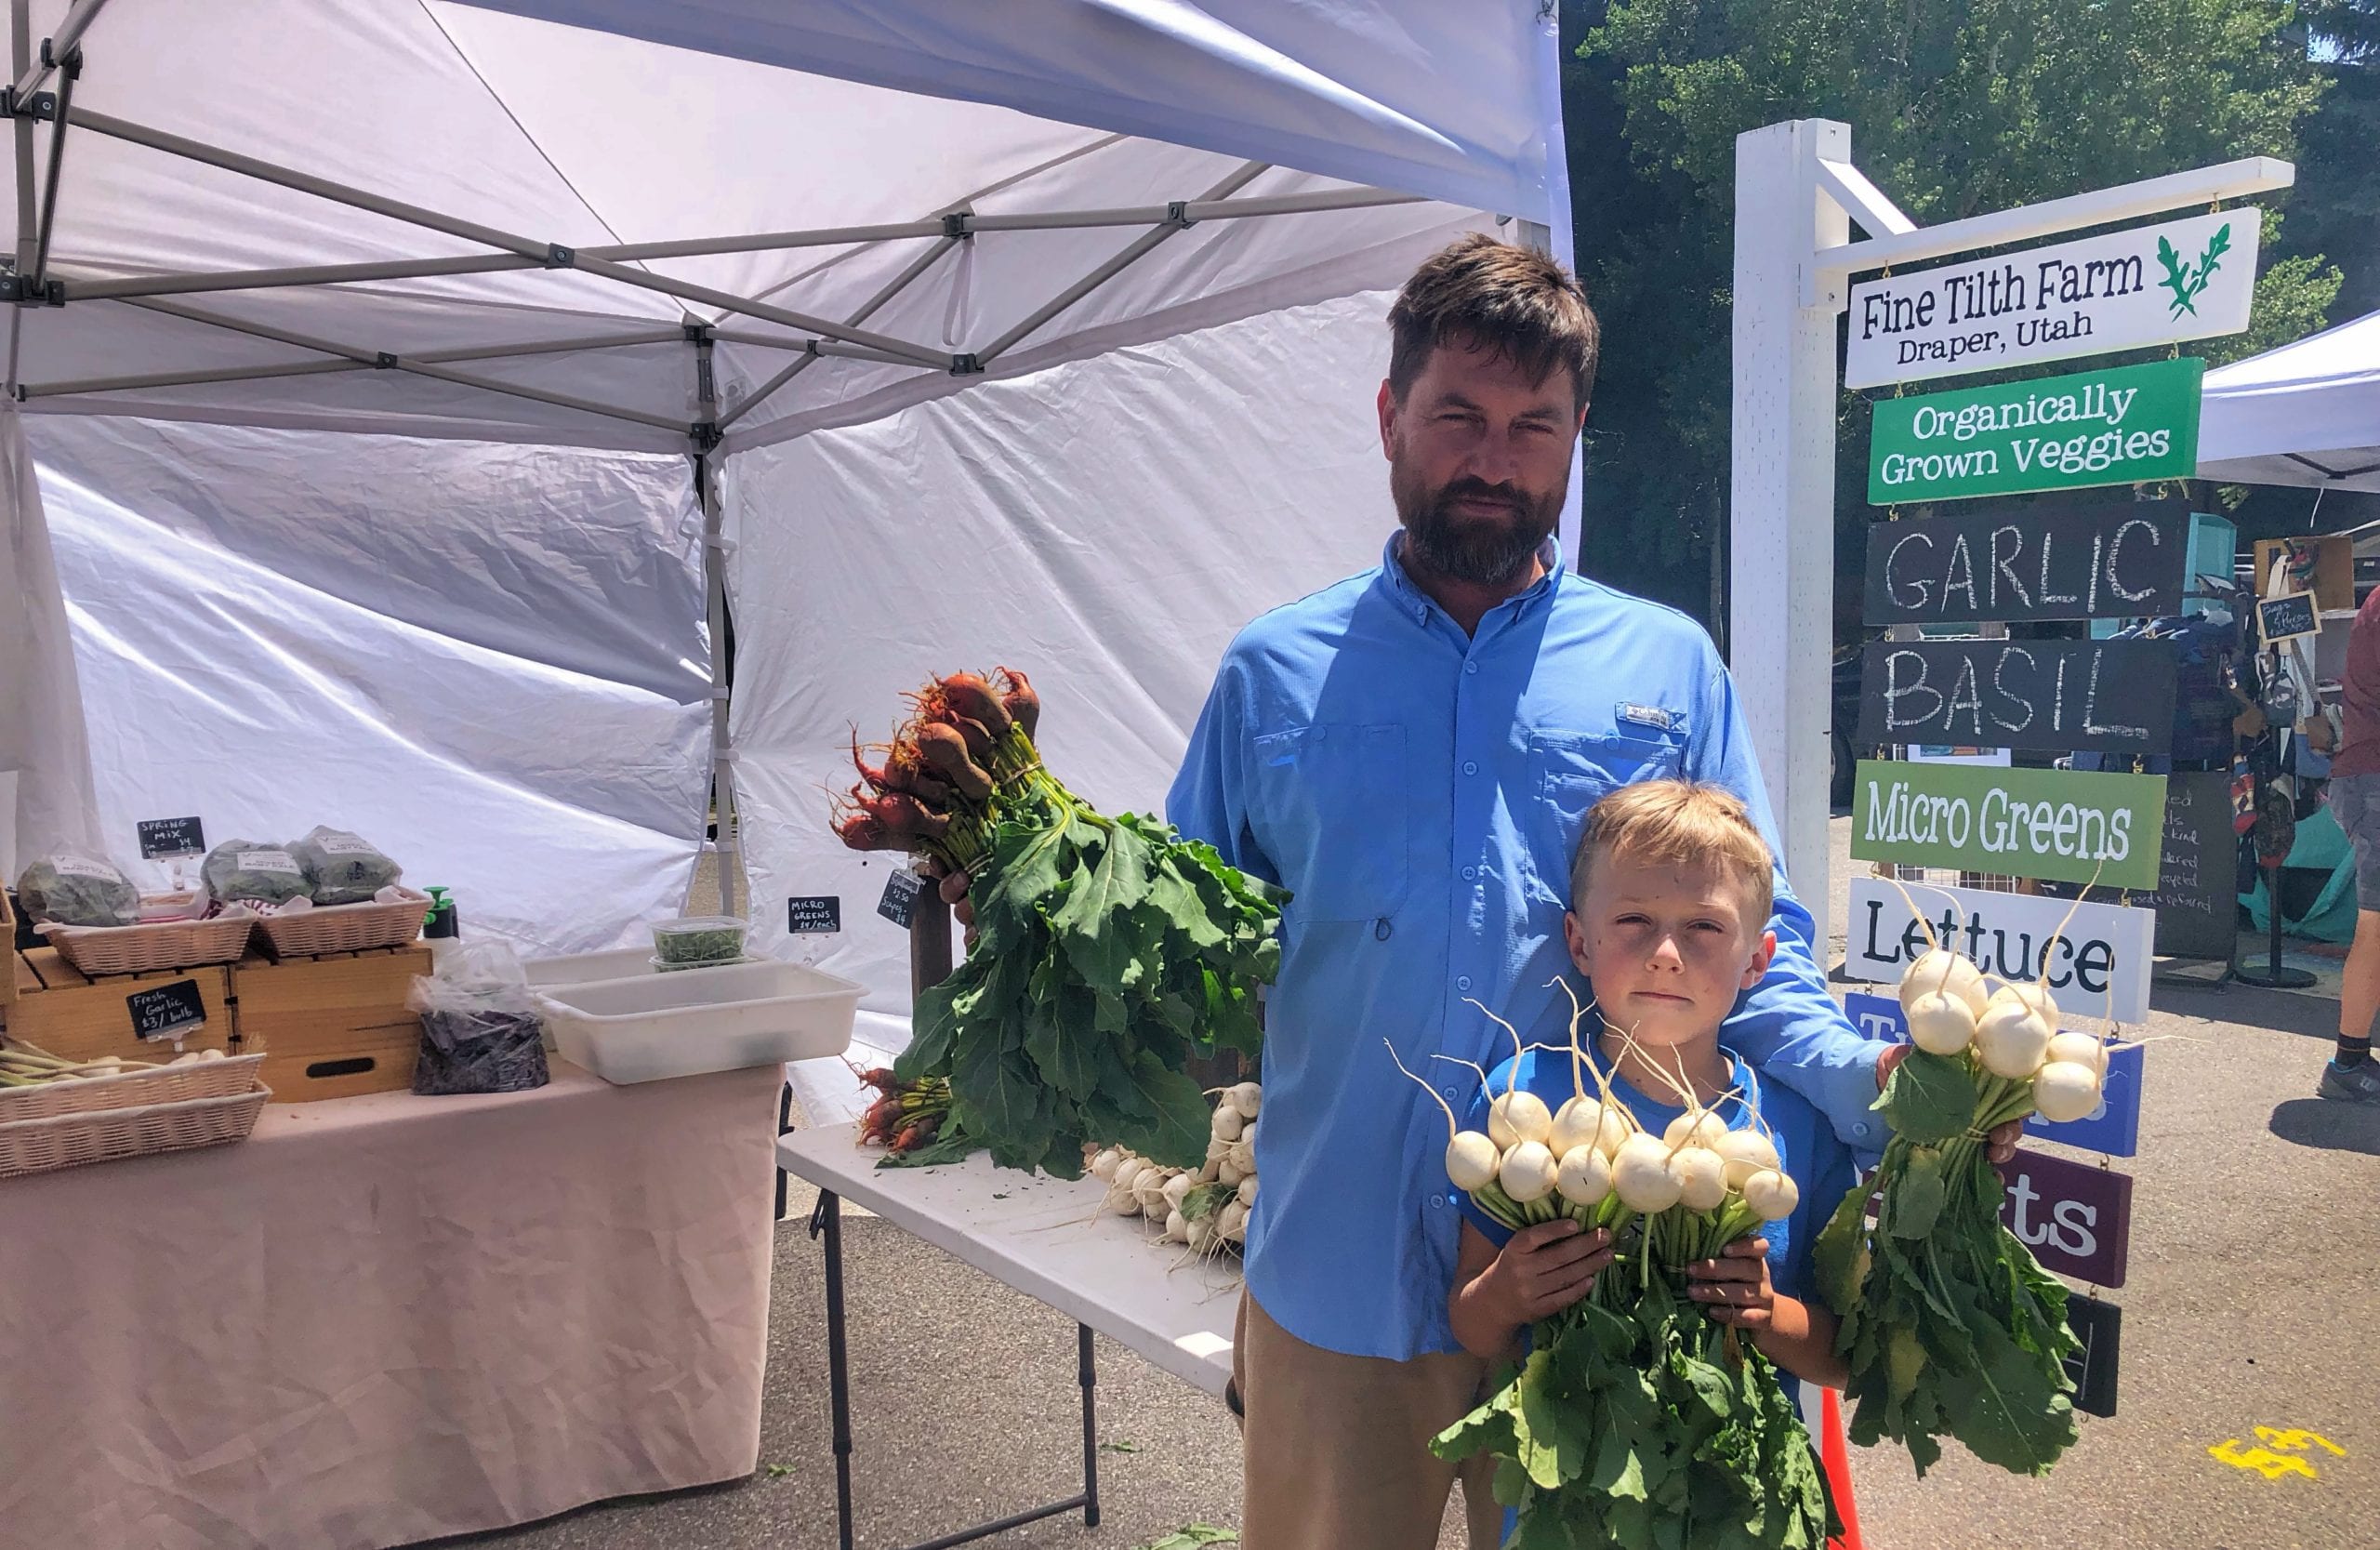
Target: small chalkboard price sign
column 171, row 1011
column 817, row 916
column 2098, row 1327
column 899, row 903
column 164, row 838
column 2287, row 618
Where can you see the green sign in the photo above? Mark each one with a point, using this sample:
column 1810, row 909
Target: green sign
column 2061, row 825
column 2118, row 427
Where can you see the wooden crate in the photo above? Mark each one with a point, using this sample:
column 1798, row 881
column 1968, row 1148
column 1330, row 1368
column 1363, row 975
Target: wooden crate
column 9, row 935
column 75, row 1018
column 330, row 1027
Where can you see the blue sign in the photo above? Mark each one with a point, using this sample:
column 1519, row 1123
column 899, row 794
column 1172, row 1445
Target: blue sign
column 2113, row 1128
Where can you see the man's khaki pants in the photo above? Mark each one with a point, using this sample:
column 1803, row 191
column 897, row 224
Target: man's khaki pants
column 1336, row 1447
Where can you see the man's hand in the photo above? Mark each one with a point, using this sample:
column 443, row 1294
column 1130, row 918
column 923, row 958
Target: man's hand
column 2000, row 1145
column 952, row 887
column 1734, row 1289
column 1541, row 1271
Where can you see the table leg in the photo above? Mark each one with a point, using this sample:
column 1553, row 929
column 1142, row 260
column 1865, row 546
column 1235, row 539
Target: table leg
column 828, row 1222
column 1088, row 1375
column 785, row 1124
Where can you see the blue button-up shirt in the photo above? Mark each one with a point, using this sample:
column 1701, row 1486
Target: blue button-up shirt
column 1421, row 791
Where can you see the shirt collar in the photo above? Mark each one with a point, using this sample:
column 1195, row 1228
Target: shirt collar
column 1400, row 584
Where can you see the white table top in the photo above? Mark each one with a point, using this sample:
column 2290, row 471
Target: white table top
column 1039, row 1235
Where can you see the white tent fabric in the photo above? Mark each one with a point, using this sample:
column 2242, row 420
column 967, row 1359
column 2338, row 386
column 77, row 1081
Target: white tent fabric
column 488, row 660
column 44, row 756
column 934, row 539
column 388, row 327
column 2306, row 414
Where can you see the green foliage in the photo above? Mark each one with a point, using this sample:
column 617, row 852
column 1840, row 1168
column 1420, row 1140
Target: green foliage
column 1950, row 1326
column 1107, row 952
column 1956, row 107
column 1647, row 1424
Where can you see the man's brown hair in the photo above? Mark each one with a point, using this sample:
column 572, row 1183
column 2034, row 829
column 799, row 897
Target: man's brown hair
column 1483, row 293
column 1680, row 823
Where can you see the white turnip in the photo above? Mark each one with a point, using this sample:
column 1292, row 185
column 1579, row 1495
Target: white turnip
column 1528, row 1172
column 2066, row 1090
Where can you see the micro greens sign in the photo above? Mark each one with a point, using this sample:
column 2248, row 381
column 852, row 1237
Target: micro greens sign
column 2189, row 279
column 2118, row 427
column 2064, row 826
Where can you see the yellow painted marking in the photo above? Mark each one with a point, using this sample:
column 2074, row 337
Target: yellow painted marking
column 2298, row 1442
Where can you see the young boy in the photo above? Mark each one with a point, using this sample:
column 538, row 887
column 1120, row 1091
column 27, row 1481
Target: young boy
column 1668, row 907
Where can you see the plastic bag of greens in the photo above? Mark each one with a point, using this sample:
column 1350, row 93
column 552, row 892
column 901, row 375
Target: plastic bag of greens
column 480, row 1028
column 74, row 890
column 244, row 871
column 341, row 868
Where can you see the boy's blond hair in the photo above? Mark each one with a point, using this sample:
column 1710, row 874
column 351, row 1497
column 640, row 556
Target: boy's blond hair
column 1679, row 823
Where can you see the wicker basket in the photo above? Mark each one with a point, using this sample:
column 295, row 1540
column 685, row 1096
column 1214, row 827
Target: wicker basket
column 345, row 928
column 105, row 1134
column 228, row 1077
column 95, row 951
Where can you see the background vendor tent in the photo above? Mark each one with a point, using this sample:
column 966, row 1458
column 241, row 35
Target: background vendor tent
column 1036, row 331
column 2306, row 414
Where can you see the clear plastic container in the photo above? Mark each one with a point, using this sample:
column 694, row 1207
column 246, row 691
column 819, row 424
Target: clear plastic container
column 692, row 939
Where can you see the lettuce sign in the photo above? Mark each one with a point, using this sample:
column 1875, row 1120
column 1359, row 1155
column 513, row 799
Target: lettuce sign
column 2063, row 825
column 2123, row 425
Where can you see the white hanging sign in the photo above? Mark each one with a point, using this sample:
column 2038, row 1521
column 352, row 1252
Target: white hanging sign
column 2189, row 279
column 2098, row 967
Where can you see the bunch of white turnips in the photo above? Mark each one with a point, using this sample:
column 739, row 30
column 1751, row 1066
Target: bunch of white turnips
column 1205, row 1210
column 1593, row 1162
column 2009, row 1032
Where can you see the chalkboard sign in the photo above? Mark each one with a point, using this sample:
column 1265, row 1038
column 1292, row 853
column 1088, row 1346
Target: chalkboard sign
column 2055, row 696
column 167, row 837
column 2099, row 1327
column 814, row 916
column 2128, row 561
column 171, row 1011
column 2287, row 618
column 2198, row 878
column 899, row 903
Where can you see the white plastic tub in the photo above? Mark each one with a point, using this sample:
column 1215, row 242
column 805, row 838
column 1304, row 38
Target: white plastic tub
column 683, row 1025
column 546, row 974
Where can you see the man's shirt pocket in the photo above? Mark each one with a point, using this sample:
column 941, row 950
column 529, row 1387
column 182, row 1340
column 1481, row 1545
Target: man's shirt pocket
column 1329, row 808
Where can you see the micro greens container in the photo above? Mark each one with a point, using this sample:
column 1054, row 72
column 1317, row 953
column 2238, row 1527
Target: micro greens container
column 693, row 939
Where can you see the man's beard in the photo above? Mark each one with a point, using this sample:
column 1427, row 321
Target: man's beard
column 1483, row 551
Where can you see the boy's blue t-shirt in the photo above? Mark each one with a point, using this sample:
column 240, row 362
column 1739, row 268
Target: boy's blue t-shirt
column 1818, row 1164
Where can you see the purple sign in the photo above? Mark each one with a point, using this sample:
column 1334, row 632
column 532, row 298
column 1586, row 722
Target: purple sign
column 2077, row 1220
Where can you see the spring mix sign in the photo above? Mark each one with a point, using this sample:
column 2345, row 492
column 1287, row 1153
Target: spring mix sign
column 2190, row 279
column 2117, row 427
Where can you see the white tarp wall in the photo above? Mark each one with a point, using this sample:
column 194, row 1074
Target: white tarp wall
column 488, row 659
column 1113, row 565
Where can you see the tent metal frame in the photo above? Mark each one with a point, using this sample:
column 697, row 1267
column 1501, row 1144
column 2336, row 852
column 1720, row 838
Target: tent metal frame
column 31, row 282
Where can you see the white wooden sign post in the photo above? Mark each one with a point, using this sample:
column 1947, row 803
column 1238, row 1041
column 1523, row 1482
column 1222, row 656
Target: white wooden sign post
column 1797, row 196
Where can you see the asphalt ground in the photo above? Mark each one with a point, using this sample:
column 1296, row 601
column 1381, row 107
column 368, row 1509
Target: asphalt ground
column 2253, row 1301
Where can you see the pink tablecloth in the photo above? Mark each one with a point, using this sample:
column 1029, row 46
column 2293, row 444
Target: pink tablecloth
column 385, row 1318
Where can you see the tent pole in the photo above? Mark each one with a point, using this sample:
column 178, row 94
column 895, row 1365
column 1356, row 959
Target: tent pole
column 1139, row 248
column 21, row 42
column 415, row 365
column 893, row 288
column 546, row 255
column 308, row 369
column 30, row 73
column 71, row 68
column 722, row 754
column 491, row 263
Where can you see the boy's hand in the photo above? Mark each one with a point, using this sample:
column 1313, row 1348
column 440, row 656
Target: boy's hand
column 1541, row 1271
column 1734, row 1289
column 2001, row 1144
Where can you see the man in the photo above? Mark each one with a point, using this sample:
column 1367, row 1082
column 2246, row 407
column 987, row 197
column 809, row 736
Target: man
column 1413, row 753
column 2351, row 1077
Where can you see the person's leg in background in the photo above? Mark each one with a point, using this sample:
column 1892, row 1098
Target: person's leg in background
column 2353, row 1075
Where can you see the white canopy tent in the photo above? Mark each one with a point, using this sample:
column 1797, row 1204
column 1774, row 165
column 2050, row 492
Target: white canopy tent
column 415, row 385
column 2307, row 414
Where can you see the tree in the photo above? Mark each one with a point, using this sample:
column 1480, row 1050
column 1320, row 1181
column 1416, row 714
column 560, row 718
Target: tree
column 1956, row 107
column 2336, row 209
